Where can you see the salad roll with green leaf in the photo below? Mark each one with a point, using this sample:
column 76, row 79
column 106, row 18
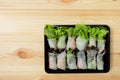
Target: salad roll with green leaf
column 71, row 60
column 72, row 33
column 50, row 32
column 82, row 36
column 101, row 47
column 61, row 34
column 93, row 32
column 100, row 38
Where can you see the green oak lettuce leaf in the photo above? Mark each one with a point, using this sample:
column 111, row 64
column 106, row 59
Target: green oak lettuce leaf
column 61, row 31
column 71, row 32
column 70, row 51
column 50, row 32
column 93, row 32
column 82, row 30
column 102, row 33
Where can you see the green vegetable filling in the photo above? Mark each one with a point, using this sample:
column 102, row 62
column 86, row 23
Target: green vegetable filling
column 102, row 33
column 70, row 51
column 82, row 30
column 61, row 31
column 50, row 32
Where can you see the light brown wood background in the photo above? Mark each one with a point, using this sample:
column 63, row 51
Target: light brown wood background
column 22, row 29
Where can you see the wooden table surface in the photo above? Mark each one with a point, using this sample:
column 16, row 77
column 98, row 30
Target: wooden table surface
column 22, row 25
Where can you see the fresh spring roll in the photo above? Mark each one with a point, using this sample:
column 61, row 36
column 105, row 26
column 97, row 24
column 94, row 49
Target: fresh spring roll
column 100, row 62
column 71, row 61
column 93, row 32
column 72, row 33
column 81, row 60
column 61, row 34
column 50, row 32
column 91, row 58
column 61, row 60
column 82, row 36
column 52, row 61
column 100, row 39
column 101, row 47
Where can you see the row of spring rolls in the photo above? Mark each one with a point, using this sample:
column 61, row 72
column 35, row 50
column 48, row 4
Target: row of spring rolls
column 79, row 60
column 83, row 38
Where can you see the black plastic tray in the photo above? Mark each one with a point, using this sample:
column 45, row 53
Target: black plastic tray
column 106, row 57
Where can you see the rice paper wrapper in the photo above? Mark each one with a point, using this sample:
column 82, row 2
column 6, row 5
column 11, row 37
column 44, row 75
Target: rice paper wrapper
column 61, row 60
column 101, row 44
column 61, row 44
column 92, row 42
column 81, row 60
column 81, row 43
column 71, row 43
column 91, row 59
column 100, row 62
column 52, row 61
column 52, row 43
column 71, row 61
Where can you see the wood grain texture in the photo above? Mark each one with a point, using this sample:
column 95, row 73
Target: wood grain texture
column 23, row 30
column 61, row 4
